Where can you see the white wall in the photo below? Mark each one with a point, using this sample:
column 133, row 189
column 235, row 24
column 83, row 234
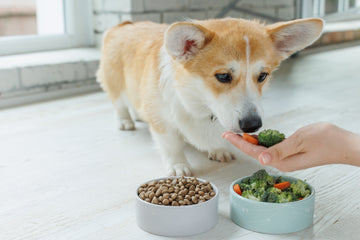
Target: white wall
column 108, row 13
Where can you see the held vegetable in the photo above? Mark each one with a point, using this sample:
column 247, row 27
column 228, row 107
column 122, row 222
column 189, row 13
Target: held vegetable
column 250, row 139
column 269, row 137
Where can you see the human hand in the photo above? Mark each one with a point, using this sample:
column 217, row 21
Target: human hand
column 313, row 145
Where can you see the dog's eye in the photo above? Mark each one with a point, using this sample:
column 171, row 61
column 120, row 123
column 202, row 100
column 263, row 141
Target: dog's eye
column 223, row 77
column 262, row 77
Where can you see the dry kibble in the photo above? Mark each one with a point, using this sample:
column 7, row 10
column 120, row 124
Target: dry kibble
column 158, row 192
column 176, row 191
column 142, row 195
column 151, row 195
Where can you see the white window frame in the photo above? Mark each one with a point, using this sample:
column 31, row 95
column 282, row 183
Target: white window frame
column 316, row 8
column 78, row 32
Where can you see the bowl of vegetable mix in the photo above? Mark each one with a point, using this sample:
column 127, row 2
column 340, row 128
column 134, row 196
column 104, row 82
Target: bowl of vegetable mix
column 272, row 204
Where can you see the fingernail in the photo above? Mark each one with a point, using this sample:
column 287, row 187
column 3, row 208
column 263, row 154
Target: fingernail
column 265, row 158
column 226, row 134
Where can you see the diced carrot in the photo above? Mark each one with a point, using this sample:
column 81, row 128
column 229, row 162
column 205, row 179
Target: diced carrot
column 250, row 139
column 282, row 185
column 300, row 198
column 237, row 189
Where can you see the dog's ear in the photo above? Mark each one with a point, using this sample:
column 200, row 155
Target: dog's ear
column 292, row 36
column 184, row 39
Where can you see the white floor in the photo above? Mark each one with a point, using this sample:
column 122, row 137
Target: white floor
column 67, row 173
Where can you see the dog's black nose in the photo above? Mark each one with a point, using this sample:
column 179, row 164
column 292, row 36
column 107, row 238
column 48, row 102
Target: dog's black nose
column 250, row 124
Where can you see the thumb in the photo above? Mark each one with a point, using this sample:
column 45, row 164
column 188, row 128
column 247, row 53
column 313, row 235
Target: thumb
column 284, row 149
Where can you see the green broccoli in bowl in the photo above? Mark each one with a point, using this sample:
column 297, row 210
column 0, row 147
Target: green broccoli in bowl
column 265, row 188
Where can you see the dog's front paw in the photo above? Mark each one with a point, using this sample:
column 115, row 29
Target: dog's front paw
column 126, row 124
column 179, row 169
column 221, row 155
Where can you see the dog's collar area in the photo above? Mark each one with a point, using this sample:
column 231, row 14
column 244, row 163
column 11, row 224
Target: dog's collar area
column 213, row 118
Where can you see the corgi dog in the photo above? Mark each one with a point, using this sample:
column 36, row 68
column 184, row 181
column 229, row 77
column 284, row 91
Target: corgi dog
column 191, row 81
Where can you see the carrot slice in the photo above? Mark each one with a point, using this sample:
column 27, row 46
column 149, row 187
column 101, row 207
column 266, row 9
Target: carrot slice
column 237, row 189
column 282, row 185
column 250, row 139
column 300, row 198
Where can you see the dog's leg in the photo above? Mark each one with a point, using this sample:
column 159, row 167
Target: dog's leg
column 124, row 120
column 172, row 150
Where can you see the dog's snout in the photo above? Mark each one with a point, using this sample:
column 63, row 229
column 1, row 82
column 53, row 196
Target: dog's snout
column 250, row 124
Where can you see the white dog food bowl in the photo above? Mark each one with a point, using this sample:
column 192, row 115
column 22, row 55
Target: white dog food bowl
column 177, row 221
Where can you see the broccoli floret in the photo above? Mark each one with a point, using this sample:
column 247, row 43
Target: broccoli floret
column 269, row 137
column 273, row 190
column 246, row 180
column 259, row 192
column 270, row 180
column 272, row 197
column 300, row 189
column 256, row 184
column 248, row 194
column 261, row 174
column 244, row 186
column 264, row 196
column 285, row 197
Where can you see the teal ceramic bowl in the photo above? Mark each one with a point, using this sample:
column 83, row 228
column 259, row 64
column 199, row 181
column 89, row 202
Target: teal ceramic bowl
column 274, row 218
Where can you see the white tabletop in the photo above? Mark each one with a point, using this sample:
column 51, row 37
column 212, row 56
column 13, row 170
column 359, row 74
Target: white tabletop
column 66, row 172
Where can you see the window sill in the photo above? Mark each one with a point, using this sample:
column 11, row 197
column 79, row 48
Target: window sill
column 339, row 32
column 41, row 76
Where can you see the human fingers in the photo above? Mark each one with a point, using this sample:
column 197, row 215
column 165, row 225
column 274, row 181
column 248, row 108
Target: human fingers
column 286, row 148
column 248, row 148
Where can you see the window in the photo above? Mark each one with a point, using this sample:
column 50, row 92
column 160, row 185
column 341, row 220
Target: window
column 50, row 25
column 332, row 10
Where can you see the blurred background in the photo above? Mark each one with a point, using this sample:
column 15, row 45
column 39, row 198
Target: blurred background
column 42, row 26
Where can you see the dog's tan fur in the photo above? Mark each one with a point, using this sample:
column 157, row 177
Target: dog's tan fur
column 131, row 59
